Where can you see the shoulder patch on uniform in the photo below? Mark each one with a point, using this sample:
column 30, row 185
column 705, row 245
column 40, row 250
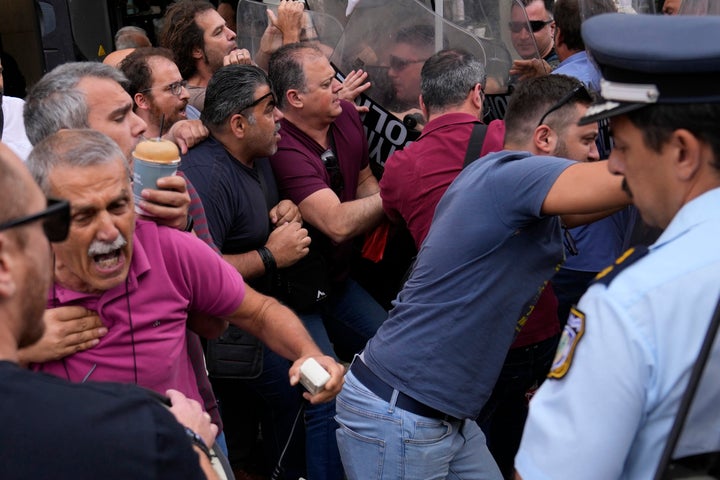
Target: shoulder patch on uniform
column 573, row 332
column 608, row 274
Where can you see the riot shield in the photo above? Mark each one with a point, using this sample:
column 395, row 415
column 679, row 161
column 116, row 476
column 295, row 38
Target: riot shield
column 699, row 7
column 589, row 8
column 252, row 20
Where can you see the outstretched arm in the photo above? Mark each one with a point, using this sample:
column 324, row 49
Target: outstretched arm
column 283, row 332
column 585, row 188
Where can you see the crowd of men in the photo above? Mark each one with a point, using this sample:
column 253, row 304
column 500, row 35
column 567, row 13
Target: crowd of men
column 166, row 337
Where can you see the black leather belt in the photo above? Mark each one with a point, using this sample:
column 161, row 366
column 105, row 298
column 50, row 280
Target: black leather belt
column 376, row 385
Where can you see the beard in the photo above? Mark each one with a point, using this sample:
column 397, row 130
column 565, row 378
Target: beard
column 168, row 121
column 626, row 188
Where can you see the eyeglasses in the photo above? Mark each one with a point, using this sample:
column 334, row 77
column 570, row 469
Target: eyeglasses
column 175, row 88
column 56, row 220
column 258, row 101
column 577, row 93
column 329, row 159
column 397, row 63
column 535, row 25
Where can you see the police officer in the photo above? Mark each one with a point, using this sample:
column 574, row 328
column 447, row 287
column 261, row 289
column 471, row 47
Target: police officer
column 631, row 342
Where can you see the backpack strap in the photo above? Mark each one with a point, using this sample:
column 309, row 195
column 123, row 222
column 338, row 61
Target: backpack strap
column 477, row 138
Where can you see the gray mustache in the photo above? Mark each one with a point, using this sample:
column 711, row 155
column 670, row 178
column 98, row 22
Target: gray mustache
column 101, row 248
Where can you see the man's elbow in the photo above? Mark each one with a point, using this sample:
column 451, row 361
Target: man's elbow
column 339, row 233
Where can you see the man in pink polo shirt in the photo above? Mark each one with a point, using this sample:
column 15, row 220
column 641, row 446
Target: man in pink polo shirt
column 144, row 279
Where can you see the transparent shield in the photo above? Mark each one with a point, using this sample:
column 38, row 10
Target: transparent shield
column 699, row 7
column 252, row 21
column 390, row 40
column 589, row 8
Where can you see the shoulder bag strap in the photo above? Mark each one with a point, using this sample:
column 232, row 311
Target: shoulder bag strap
column 477, row 138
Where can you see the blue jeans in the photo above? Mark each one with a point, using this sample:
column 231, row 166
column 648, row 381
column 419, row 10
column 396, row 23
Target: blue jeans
column 379, row 441
column 346, row 321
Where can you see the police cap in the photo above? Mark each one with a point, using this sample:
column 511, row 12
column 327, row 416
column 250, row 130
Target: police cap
column 648, row 59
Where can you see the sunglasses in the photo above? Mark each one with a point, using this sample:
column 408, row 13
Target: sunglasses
column 535, row 25
column 56, row 220
column 175, row 88
column 577, row 93
column 397, row 63
column 257, row 102
column 329, row 159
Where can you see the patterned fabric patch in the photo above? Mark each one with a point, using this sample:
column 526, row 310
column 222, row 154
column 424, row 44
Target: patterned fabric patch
column 571, row 335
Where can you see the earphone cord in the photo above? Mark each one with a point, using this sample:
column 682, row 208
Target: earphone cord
column 278, row 468
column 132, row 330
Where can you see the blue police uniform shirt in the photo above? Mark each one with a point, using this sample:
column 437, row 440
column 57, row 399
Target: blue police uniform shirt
column 609, row 416
column 579, row 66
column 485, row 260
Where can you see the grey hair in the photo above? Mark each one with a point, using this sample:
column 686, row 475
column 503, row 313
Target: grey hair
column 127, row 37
column 73, row 148
column 230, row 89
column 448, row 76
column 55, row 102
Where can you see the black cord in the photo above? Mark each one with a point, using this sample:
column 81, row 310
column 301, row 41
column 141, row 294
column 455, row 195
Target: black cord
column 278, row 468
column 132, row 330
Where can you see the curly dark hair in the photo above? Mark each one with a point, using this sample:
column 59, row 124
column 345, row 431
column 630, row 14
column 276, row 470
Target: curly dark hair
column 182, row 35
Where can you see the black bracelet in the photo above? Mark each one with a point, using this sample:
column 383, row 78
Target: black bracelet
column 267, row 258
column 198, row 442
column 190, row 223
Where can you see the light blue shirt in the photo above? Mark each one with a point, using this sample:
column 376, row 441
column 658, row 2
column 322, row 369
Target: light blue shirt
column 610, row 415
column 579, row 66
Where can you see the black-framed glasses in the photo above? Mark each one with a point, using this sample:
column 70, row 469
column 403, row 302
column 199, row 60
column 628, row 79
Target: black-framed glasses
column 577, row 93
column 175, row 88
column 535, row 25
column 56, row 220
column 258, row 101
column 397, row 63
column 330, row 160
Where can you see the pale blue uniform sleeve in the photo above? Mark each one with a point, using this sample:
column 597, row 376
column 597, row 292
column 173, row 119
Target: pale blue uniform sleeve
column 583, row 424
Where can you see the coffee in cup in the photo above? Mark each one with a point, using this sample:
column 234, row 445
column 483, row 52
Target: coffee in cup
column 153, row 159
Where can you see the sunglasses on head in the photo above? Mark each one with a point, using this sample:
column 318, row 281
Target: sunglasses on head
column 56, row 220
column 535, row 25
column 577, row 93
column 257, row 102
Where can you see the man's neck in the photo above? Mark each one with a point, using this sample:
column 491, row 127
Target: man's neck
column 464, row 108
column 234, row 148
column 202, row 76
column 315, row 129
column 564, row 53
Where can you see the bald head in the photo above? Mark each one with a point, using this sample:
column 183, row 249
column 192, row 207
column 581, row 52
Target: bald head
column 25, row 271
column 16, row 186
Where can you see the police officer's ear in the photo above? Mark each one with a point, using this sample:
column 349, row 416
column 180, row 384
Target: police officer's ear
column 688, row 154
